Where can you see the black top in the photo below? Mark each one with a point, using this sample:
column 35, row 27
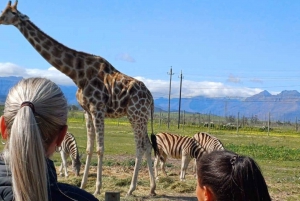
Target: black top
column 58, row 191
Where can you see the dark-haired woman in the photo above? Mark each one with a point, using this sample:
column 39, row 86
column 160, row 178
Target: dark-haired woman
column 227, row 176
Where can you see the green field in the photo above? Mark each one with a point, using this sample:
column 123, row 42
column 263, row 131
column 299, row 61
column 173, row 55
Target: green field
column 277, row 153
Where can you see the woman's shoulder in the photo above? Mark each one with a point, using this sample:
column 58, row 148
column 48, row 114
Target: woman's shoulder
column 69, row 192
column 6, row 192
column 3, row 166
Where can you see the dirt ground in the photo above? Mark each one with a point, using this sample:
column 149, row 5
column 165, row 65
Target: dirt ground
column 181, row 191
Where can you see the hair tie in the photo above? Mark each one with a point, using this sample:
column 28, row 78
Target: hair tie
column 29, row 104
column 233, row 160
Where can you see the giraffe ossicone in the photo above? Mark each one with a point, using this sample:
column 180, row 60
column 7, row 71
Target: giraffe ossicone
column 102, row 92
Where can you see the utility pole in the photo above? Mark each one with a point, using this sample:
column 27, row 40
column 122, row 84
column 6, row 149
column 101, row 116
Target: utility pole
column 179, row 99
column 169, row 96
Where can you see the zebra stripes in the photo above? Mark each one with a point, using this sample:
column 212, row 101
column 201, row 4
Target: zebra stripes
column 69, row 148
column 208, row 142
column 177, row 147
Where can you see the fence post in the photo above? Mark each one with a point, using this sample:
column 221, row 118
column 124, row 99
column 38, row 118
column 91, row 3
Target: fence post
column 237, row 124
column 269, row 124
column 112, row 196
column 296, row 123
column 160, row 115
column 209, row 122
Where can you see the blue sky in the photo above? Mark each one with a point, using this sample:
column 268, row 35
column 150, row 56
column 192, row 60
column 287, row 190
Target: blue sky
column 223, row 48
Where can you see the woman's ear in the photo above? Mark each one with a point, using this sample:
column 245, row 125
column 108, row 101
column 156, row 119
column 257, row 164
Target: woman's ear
column 208, row 194
column 61, row 135
column 3, row 128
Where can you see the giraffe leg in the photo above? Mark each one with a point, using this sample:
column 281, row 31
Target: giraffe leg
column 138, row 161
column 150, row 168
column 143, row 146
column 100, row 152
column 89, row 148
column 98, row 121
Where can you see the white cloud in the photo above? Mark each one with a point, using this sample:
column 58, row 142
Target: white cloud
column 160, row 88
column 125, row 57
column 233, row 79
column 52, row 74
column 9, row 69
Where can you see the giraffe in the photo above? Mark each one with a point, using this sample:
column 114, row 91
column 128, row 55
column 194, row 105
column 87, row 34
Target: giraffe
column 103, row 91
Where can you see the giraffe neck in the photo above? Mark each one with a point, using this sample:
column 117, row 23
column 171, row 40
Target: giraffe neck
column 68, row 61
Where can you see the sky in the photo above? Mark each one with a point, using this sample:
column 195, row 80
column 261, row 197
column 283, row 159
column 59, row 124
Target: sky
column 220, row 48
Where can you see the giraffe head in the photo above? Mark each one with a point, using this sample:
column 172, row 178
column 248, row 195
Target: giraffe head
column 11, row 15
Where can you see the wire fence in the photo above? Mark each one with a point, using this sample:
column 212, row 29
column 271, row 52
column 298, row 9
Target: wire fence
column 232, row 122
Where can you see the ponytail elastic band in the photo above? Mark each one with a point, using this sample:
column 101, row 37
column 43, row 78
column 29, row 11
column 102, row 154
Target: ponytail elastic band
column 29, row 104
column 233, row 160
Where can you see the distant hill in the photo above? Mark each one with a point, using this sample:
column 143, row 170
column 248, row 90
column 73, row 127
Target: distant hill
column 7, row 82
column 284, row 106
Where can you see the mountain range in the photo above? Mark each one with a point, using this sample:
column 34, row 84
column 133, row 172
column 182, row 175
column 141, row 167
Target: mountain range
column 284, row 106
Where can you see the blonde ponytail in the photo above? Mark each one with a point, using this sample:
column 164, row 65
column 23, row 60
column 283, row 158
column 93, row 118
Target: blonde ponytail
column 31, row 129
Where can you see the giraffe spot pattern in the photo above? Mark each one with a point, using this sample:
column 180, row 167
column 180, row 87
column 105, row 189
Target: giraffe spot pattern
column 102, row 89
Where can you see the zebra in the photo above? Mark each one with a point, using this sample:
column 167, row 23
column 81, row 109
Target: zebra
column 69, row 148
column 177, row 147
column 208, row 142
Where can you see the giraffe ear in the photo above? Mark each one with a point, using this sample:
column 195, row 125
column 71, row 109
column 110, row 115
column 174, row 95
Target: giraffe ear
column 15, row 5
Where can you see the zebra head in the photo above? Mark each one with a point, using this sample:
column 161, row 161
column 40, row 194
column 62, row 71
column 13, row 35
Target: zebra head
column 76, row 164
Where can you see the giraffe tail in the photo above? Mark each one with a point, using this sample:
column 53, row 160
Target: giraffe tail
column 153, row 136
column 154, row 144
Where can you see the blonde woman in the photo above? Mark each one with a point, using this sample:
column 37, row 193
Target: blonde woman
column 34, row 125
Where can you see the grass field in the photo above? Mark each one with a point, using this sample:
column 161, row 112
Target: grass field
column 277, row 153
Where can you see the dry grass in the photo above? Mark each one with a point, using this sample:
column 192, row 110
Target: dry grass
column 117, row 178
column 283, row 181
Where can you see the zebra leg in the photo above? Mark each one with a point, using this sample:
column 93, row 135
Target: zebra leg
column 157, row 160
column 184, row 164
column 195, row 168
column 65, row 166
column 163, row 164
column 63, row 163
column 61, row 169
column 156, row 166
